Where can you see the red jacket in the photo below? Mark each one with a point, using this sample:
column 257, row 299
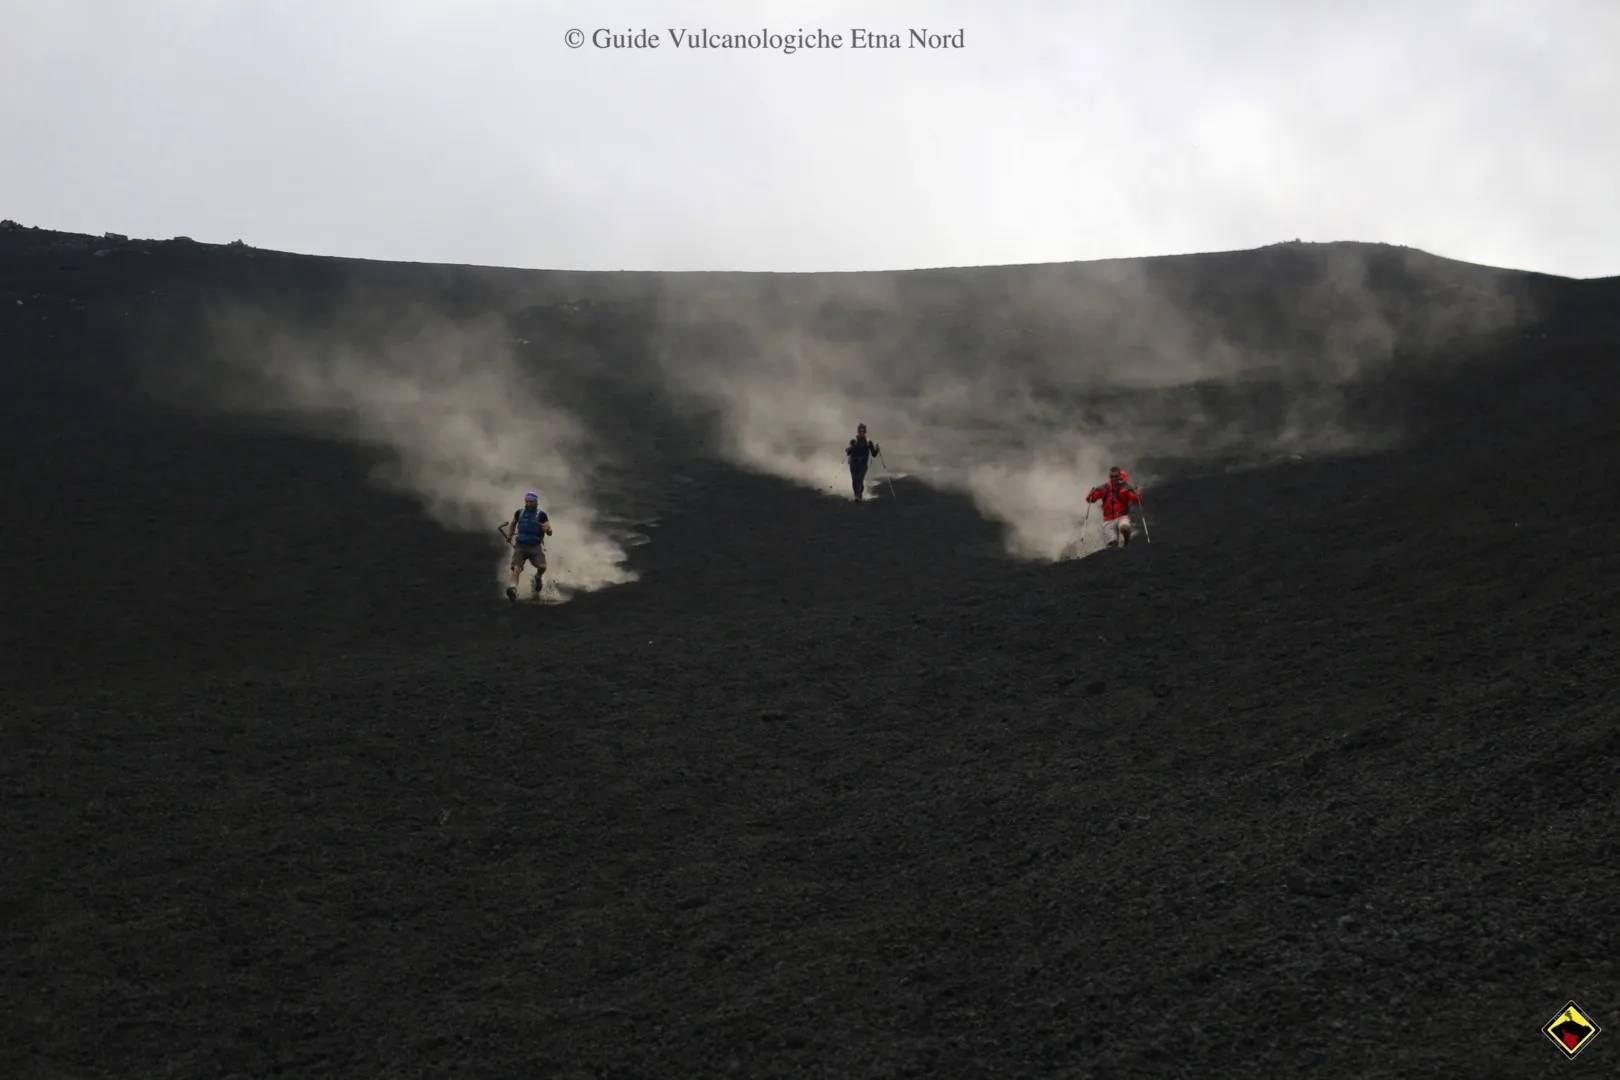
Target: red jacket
column 1116, row 499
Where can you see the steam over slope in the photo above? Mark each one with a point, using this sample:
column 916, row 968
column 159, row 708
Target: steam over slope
column 1320, row 778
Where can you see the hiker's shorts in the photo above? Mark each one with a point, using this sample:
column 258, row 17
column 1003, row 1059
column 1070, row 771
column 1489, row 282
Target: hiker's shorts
column 529, row 553
column 1110, row 529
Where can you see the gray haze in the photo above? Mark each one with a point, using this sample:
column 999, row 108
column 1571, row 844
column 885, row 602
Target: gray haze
column 467, row 131
column 466, row 428
column 1015, row 387
column 1021, row 396
column 470, row 132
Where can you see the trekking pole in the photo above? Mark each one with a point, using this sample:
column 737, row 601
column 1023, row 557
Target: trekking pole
column 1085, row 523
column 502, row 530
column 1141, row 509
column 886, row 479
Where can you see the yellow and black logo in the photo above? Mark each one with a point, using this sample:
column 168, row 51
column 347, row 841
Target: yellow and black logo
column 1571, row 1030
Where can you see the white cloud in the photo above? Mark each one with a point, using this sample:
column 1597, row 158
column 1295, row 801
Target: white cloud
column 469, row 132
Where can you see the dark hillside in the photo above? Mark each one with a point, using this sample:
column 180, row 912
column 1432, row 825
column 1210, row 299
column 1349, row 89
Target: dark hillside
column 1323, row 782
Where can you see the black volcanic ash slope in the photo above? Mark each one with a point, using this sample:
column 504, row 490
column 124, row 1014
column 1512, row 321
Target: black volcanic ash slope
column 1321, row 783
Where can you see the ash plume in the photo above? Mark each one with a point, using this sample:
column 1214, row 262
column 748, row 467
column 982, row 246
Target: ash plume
column 466, row 429
column 1019, row 386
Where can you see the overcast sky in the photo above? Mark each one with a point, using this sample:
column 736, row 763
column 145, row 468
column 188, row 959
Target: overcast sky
column 469, row 130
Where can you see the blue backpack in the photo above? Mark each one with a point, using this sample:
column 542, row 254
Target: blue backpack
column 526, row 529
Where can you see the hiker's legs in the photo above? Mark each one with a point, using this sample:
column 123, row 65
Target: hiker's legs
column 857, row 477
column 1125, row 531
column 522, row 556
column 1110, row 532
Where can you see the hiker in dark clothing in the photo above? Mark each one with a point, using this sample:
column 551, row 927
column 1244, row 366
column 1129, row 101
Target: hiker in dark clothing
column 860, row 453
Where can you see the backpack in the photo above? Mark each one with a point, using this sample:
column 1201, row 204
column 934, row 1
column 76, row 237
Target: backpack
column 517, row 525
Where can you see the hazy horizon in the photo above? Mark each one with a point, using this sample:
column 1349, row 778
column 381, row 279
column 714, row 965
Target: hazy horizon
column 48, row 227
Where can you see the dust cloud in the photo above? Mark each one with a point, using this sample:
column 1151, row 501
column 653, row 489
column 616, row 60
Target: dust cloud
column 467, row 430
column 1019, row 386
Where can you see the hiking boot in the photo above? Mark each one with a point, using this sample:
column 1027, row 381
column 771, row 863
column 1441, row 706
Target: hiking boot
column 511, row 592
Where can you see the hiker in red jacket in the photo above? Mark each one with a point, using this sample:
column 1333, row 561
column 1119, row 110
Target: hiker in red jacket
column 1116, row 497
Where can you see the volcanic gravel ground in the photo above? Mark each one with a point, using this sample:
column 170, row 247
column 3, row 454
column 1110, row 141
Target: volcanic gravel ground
column 1323, row 782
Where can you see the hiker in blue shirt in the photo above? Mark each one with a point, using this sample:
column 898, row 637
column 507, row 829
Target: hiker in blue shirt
column 530, row 527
